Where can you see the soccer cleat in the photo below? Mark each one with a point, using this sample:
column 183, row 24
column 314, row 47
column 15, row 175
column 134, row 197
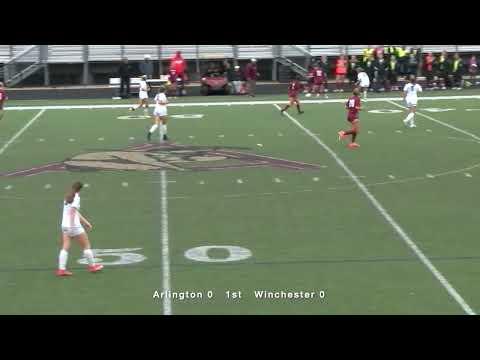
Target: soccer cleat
column 61, row 272
column 413, row 126
column 165, row 137
column 341, row 135
column 131, row 109
column 300, row 112
column 149, row 136
column 281, row 112
column 94, row 267
column 353, row 145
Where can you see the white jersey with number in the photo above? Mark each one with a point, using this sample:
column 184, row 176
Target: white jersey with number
column 67, row 208
column 143, row 93
column 160, row 109
column 411, row 91
column 363, row 79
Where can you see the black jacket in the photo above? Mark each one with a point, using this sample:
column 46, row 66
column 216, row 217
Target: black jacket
column 125, row 70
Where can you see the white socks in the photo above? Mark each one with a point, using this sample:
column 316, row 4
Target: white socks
column 62, row 259
column 88, row 253
column 162, row 130
column 364, row 94
column 409, row 119
column 153, row 128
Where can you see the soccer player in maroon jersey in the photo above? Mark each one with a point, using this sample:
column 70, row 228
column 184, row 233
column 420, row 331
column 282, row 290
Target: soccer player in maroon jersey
column 353, row 106
column 319, row 80
column 3, row 98
column 294, row 88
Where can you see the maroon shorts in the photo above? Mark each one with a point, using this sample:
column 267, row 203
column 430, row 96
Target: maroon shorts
column 318, row 81
column 352, row 117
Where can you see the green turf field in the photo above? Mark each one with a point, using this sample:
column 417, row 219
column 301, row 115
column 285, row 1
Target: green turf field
column 243, row 200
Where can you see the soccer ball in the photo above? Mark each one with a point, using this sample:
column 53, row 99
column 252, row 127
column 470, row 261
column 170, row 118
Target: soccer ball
column 308, row 95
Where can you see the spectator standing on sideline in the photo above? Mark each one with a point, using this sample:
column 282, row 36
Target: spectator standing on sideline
column 3, row 98
column 146, row 67
column 412, row 64
column 380, row 68
column 323, row 64
column 251, row 75
column 125, row 72
column 178, row 63
column 443, row 70
column 457, row 72
column 340, row 72
column 370, row 70
column 473, row 67
column 352, row 70
column 238, row 81
column 428, row 70
column 393, row 67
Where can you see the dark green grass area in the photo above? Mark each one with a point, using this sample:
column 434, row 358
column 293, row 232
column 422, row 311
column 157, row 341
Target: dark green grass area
column 307, row 230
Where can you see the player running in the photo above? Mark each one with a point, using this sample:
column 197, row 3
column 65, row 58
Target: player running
column 363, row 81
column 410, row 96
column 3, row 98
column 353, row 106
column 160, row 115
column 294, row 88
column 72, row 228
column 142, row 95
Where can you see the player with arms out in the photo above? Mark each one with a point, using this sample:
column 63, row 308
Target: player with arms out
column 294, row 88
column 72, row 228
column 363, row 81
column 410, row 91
column 353, row 106
column 142, row 95
column 3, row 98
column 160, row 115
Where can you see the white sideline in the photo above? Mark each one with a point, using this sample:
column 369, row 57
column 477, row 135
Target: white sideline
column 405, row 237
column 261, row 102
column 438, row 121
column 167, row 302
column 20, row 132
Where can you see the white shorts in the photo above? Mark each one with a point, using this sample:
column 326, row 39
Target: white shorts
column 160, row 112
column 411, row 102
column 364, row 85
column 143, row 95
column 73, row 231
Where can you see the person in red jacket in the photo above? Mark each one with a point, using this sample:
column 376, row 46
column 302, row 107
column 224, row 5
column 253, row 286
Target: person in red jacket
column 251, row 77
column 178, row 63
column 428, row 67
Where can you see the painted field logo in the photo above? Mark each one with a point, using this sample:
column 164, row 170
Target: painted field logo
column 148, row 157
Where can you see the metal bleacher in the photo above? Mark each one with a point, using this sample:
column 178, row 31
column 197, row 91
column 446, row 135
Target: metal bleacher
column 96, row 53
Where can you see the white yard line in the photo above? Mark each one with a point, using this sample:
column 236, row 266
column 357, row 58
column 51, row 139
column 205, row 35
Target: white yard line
column 167, row 302
column 403, row 235
column 438, row 121
column 261, row 102
column 20, row 132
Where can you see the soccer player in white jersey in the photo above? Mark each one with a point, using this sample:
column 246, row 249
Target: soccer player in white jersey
column 363, row 81
column 410, row 96
column 72, row 228
column 160, row 115
column 142, row 95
